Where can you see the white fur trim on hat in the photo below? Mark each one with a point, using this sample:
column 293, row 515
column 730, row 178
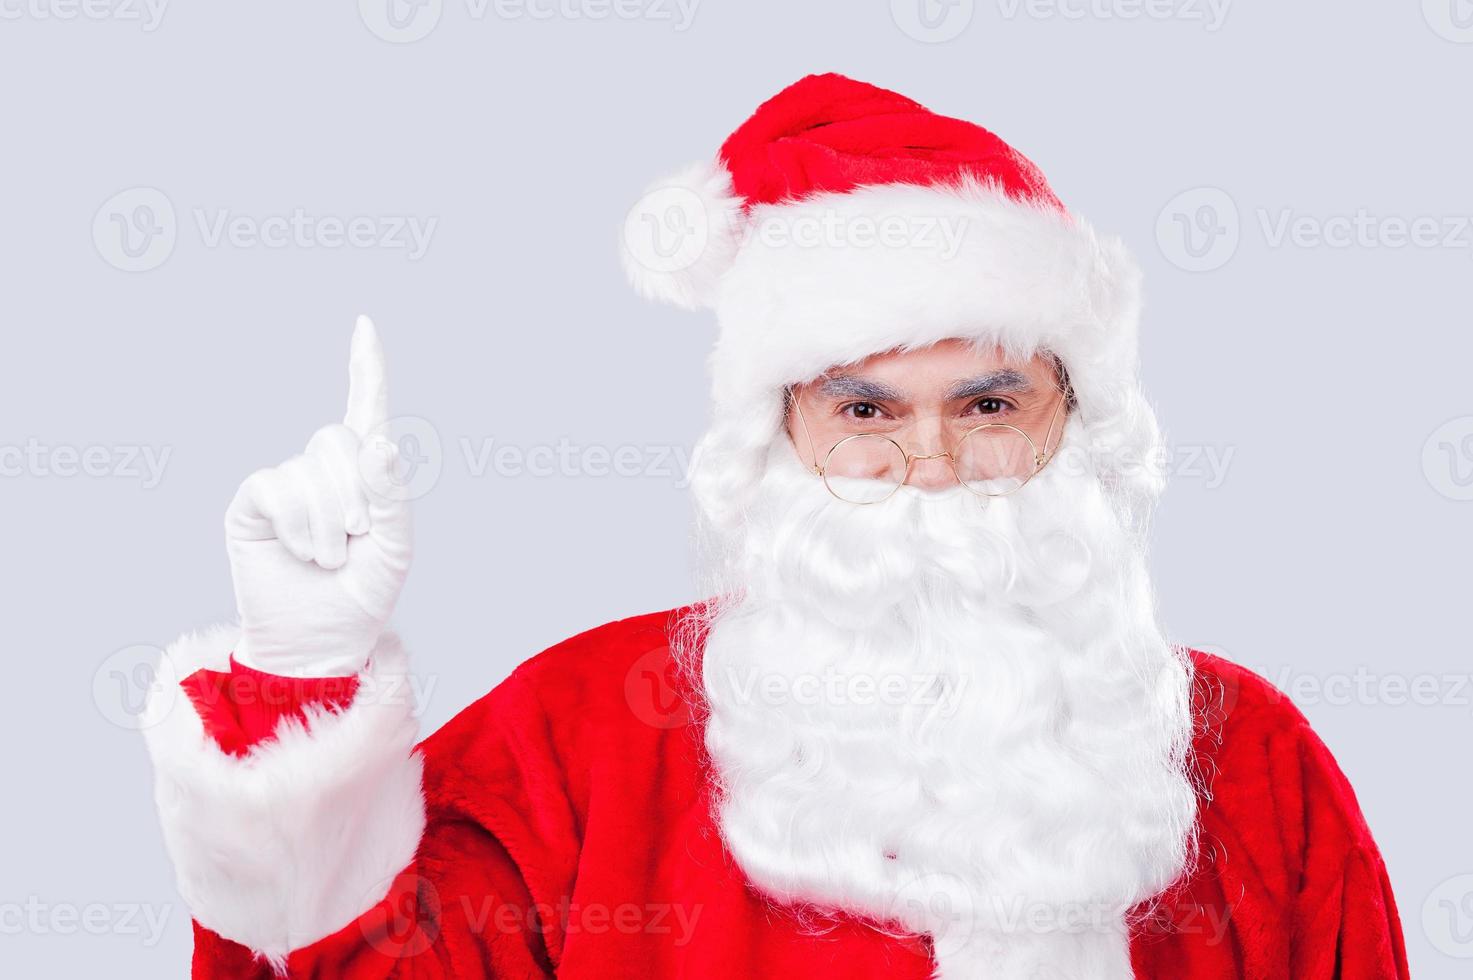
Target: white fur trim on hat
column 680, row 238
column 837, row 277
column 293, row 841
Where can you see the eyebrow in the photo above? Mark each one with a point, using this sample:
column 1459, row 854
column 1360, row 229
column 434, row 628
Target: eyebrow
column 850, row 386
column 1004, row 382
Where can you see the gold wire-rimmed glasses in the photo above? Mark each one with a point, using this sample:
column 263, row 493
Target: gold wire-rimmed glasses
column 994, row 459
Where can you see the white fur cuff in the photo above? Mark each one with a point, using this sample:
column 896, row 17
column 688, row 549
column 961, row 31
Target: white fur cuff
column 293, row 841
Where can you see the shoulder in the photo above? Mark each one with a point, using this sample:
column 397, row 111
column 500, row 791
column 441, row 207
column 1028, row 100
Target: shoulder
column 587, row 663
column 1282, row 847
column 1261, row 766
column 600, row 706
column 594, row 682
column 1231, row 700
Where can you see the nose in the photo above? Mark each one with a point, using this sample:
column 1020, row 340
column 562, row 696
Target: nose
column 930, row 464
column 931, row 472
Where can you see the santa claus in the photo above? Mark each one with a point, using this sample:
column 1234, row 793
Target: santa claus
column 926, row 725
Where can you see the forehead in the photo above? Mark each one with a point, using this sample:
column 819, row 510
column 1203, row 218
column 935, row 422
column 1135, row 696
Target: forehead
column 928, row 371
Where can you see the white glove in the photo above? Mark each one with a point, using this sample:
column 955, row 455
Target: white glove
column 319, row 546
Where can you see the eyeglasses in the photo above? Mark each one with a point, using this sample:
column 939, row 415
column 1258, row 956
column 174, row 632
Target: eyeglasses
column 991, row 460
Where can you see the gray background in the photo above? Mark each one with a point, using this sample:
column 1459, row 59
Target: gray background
column 1335, row 376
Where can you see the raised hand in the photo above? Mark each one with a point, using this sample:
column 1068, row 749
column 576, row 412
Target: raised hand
column 319, row 546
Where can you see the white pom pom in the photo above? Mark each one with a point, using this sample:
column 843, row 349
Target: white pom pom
column 682, row 235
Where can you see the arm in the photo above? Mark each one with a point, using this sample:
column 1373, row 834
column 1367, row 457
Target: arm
column 288, row 783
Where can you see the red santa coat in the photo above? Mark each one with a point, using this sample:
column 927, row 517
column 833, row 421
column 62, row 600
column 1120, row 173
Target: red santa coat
column 566, row 830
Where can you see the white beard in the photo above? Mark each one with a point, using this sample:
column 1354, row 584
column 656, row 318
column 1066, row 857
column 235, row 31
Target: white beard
column 951, row 718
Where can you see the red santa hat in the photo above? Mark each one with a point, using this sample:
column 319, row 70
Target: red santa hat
column 843, row 220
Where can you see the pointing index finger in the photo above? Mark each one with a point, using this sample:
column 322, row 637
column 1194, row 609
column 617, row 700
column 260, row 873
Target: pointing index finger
column 368, row 392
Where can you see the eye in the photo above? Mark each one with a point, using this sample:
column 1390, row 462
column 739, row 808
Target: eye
column 862, row 411
column 990, row 406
